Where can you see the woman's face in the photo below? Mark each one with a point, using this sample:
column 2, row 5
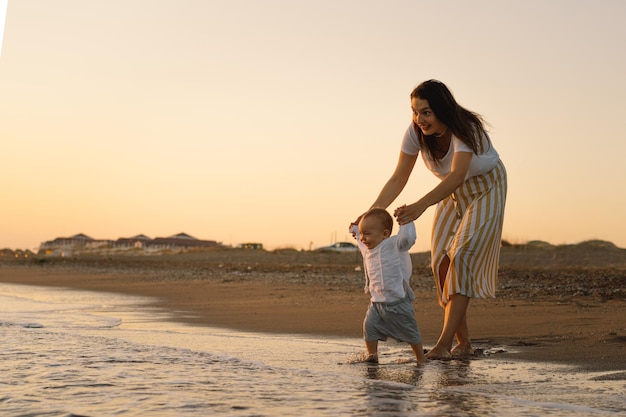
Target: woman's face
column 425, row 118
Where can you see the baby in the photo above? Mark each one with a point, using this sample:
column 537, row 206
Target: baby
column 388, row 269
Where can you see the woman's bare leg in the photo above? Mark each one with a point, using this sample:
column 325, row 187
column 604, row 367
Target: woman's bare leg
column 464, row 345
column 454, row 316
column 455, row 321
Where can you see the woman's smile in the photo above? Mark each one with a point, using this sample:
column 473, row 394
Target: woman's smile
column 425, row 128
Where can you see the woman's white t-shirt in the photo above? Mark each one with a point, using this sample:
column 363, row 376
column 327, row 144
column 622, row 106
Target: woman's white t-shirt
column 481, row 163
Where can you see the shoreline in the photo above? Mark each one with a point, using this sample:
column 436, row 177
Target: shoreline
column 532, row 324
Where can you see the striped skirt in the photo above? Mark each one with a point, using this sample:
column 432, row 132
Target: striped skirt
column 468, row 229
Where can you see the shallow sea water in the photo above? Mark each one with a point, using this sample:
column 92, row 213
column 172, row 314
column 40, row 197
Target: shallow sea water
column 76, row 353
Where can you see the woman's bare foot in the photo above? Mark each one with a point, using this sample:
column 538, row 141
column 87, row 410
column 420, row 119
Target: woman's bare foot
column 438, row 353
column 462, row 351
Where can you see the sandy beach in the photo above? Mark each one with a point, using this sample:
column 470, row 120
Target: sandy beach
column 562, row 304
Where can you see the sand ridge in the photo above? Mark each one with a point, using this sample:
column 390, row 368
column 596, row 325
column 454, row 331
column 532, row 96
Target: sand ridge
column 551, row 312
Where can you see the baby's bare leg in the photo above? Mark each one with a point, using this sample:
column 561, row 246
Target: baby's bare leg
column 418, row 350
column 372, row 350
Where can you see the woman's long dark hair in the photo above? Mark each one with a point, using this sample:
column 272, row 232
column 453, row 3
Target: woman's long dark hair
column 465, row 124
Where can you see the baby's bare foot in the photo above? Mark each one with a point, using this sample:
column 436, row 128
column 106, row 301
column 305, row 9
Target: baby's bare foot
column 363, row 358
column 371, row 359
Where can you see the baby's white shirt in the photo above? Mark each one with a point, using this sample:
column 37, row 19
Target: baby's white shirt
column 388, row 266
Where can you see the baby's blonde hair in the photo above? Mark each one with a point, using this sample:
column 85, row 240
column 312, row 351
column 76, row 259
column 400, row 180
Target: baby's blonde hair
column 381, row 215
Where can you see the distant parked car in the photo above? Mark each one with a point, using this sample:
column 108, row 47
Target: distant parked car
column 339, row 247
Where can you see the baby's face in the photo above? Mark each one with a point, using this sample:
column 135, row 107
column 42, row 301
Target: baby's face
column 372, row 232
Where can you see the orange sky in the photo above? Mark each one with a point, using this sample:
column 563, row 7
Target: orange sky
column 278, row 122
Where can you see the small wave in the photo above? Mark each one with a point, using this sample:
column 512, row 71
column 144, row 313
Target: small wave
column 33, row 325
column 612, row 376
column 27, row 325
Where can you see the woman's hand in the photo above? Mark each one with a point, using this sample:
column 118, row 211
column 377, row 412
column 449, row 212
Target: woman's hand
column 407, row 214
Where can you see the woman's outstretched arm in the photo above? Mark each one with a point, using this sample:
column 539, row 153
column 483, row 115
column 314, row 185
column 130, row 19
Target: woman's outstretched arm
column 398, row 180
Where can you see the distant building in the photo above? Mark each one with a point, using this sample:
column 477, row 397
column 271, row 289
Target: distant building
column 76, row 240
column 136, row 242
column 258, row 246
column 180, row 241
column 65, row 246
column 9, row 254
column 68, row 246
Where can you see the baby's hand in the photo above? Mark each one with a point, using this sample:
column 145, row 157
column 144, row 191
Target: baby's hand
column 354, row 228
column 356, row 222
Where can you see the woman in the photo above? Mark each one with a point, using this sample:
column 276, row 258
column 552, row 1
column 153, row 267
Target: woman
column 470, row 200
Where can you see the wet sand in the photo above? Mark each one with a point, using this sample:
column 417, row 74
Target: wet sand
column 549, row 307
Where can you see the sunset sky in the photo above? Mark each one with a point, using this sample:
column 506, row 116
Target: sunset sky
column 278, row 121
